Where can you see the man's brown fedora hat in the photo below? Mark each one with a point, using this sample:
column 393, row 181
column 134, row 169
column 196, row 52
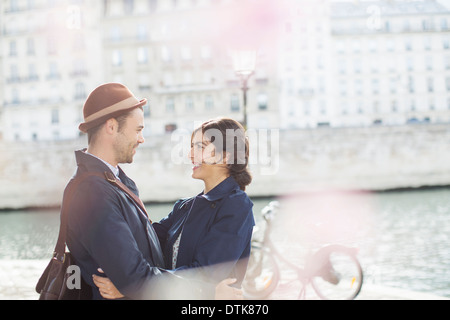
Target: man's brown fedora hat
column 107, row 101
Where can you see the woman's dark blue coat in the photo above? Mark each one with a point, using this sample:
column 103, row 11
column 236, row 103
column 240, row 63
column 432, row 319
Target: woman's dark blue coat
column 216, row 230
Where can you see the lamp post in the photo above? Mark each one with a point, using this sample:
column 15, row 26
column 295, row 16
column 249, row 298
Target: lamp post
column 244, row 63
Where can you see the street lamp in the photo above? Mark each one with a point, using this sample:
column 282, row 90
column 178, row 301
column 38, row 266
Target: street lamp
column 244, row 63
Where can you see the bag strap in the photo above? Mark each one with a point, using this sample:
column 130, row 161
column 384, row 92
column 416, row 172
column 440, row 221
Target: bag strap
column 111, row 178
column 60, row 247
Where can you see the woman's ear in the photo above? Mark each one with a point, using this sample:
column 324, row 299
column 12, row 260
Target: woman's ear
column 227, row 159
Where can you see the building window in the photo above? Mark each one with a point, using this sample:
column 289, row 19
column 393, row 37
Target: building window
column 15, row 96
column 409, row 63
column 408, row 44
column 343, row 88
column 32, row 73
column 427, row 24
column 51, row 46
column 186, row 53
column 444, row 24
column 116, row 34
column 356, row 46
column 13, row 48
column 394, row 106
column 360, row 107
column 167, row 79
column 209, row 102
column 187, row 77
column 406, row 25
column 262, row 101
column 189, row 103
column 152, row 5
column 306, row 108
column 30, row 47
column 147, row 112
column 376, row 106
column 33, row 97
column 205, row 52
column 357, row 65
column 431, row 104
column 80, row 92
column 375, row 86
column 79, row 68
column 117, row 58
column 390, row 45
column 13, row 6
column 78, row 43
column 427, row 43
column 234, row 102
column 322, row 107
column 411, row 84
column 342, row 66
column 430, row 84
column 128, row 6
column 446, row 42
column 142, row 32
column 53, row 71
column 393, row 85
column 142, row 55
column 166, row 54
column 55, row 116
column 170, row 105
column 14, row 73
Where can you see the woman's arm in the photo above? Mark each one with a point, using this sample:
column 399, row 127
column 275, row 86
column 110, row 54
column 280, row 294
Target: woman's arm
column 223, row 291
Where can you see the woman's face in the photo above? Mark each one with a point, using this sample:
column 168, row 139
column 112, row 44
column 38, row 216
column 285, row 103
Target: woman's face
column 204, row 158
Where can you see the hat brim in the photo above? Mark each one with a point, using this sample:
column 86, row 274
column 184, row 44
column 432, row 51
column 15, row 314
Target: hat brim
column 86, row 126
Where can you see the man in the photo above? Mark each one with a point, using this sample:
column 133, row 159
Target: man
column 106, row 229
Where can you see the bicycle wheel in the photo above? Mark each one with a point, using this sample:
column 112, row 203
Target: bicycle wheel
column 338, row 274
column 262, row 274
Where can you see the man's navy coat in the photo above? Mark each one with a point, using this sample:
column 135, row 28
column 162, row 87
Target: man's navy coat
column 106, row 230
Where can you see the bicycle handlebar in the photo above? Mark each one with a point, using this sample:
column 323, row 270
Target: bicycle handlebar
column 268, row 212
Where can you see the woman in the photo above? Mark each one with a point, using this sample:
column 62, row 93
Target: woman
column 210, row 234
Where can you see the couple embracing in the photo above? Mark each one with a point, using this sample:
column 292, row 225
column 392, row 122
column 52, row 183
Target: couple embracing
column 199, row 251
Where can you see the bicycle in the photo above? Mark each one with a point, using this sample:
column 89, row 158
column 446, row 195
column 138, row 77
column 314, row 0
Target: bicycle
column 333, row 271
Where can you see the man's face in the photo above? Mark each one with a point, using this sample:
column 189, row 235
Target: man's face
column 129, row 136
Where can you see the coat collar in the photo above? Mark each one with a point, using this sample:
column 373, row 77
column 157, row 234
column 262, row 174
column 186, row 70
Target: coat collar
column 221, row 190
column 89, row 162
column 92, row 163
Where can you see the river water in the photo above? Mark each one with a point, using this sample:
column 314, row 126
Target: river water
column 403, row 236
